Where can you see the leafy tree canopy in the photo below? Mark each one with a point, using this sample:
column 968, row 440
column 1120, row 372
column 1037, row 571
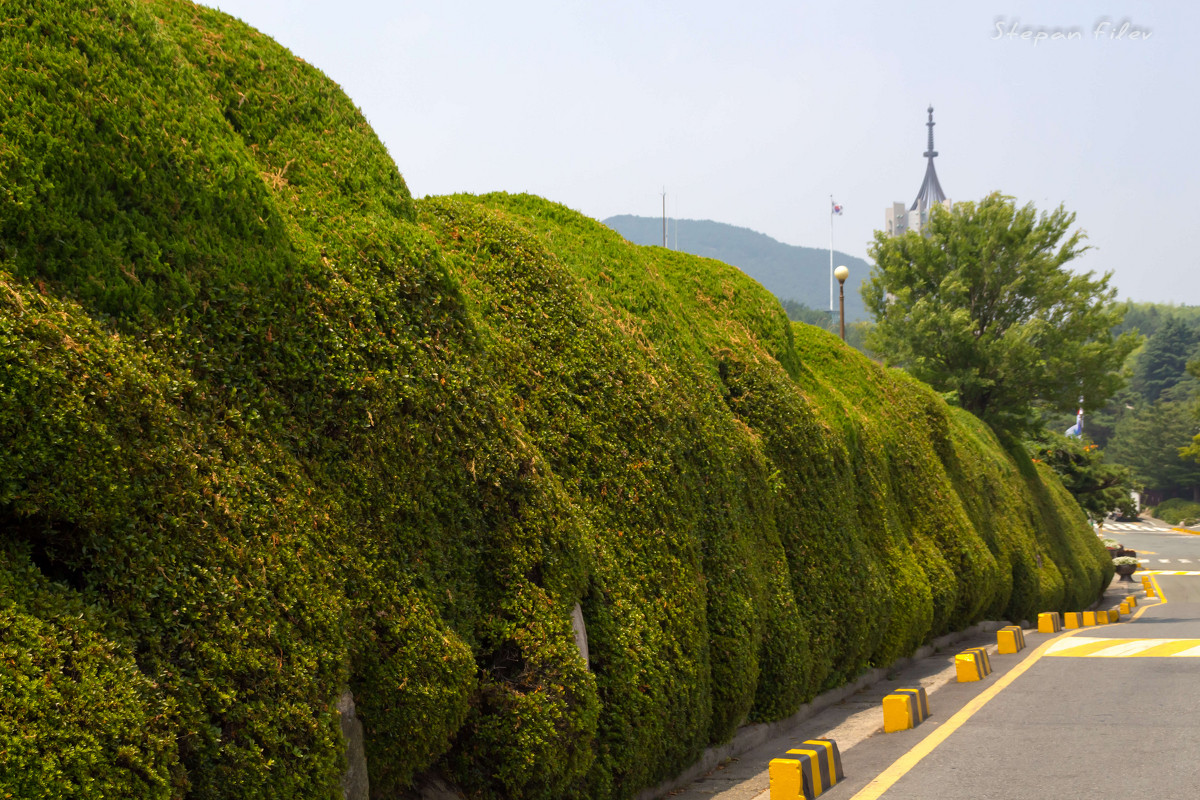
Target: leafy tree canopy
column 983, row 308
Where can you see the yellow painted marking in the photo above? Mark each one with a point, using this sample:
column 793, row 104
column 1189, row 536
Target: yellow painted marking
column 1083, row 647
column 1158, row 589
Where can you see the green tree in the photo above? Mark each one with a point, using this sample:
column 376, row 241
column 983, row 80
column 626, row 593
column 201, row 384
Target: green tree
column 983, row 308
column 1163, row 362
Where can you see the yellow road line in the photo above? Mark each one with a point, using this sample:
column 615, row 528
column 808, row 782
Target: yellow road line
column 1157, row 593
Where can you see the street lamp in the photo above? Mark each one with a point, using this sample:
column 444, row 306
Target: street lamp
column 841, row 273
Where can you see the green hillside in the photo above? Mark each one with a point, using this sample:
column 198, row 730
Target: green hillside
column 271, row 432
column 787, row 271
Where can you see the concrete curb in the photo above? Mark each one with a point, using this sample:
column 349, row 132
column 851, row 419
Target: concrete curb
column 749, row 737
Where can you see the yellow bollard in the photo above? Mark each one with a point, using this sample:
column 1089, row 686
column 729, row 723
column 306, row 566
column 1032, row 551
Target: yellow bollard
column 1072, row 620
column 824, row 765
column 1010, row 639
column 904, row 709
column 789, row 781
column 972, row 665
column 1049, row 622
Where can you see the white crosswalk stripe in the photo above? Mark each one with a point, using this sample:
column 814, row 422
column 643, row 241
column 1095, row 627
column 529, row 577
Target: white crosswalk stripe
column 1131, row 648
column 1134, row 527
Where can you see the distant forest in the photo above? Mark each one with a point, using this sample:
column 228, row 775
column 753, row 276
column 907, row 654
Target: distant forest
column 799, row 274
column 1146, row 424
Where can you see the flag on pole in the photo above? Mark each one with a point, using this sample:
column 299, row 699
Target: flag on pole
column 1077, row 428
column 837, row 207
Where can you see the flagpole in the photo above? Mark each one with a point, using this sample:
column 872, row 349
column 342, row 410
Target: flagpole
column 831, row 256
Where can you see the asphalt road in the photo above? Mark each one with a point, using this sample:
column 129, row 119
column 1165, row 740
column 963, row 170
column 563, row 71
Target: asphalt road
column 1158, row 547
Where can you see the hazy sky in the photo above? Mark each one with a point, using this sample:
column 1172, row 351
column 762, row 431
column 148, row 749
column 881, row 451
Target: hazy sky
column 754, row 113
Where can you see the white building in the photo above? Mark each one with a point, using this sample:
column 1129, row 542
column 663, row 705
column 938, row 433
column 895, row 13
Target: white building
column 898, row 218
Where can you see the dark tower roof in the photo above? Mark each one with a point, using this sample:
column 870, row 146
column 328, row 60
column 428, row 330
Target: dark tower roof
column 931, row 191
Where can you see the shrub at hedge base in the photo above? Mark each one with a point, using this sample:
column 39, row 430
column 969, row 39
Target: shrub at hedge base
column 273, row 431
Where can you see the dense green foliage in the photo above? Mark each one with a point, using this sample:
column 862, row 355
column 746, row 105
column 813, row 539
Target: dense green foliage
column 271, row 431
column 1178, row 511
column 981, row 306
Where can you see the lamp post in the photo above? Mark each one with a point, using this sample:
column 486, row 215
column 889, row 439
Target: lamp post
column 841, row 273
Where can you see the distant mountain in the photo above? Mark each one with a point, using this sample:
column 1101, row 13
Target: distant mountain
column 787, row 271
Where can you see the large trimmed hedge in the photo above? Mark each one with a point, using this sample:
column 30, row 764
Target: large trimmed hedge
column 270, row 430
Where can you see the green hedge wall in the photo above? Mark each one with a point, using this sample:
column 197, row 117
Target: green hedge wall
column 271, row 430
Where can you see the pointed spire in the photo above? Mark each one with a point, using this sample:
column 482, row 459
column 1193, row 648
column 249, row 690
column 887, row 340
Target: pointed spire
column 931, row 190
column 930, row 153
